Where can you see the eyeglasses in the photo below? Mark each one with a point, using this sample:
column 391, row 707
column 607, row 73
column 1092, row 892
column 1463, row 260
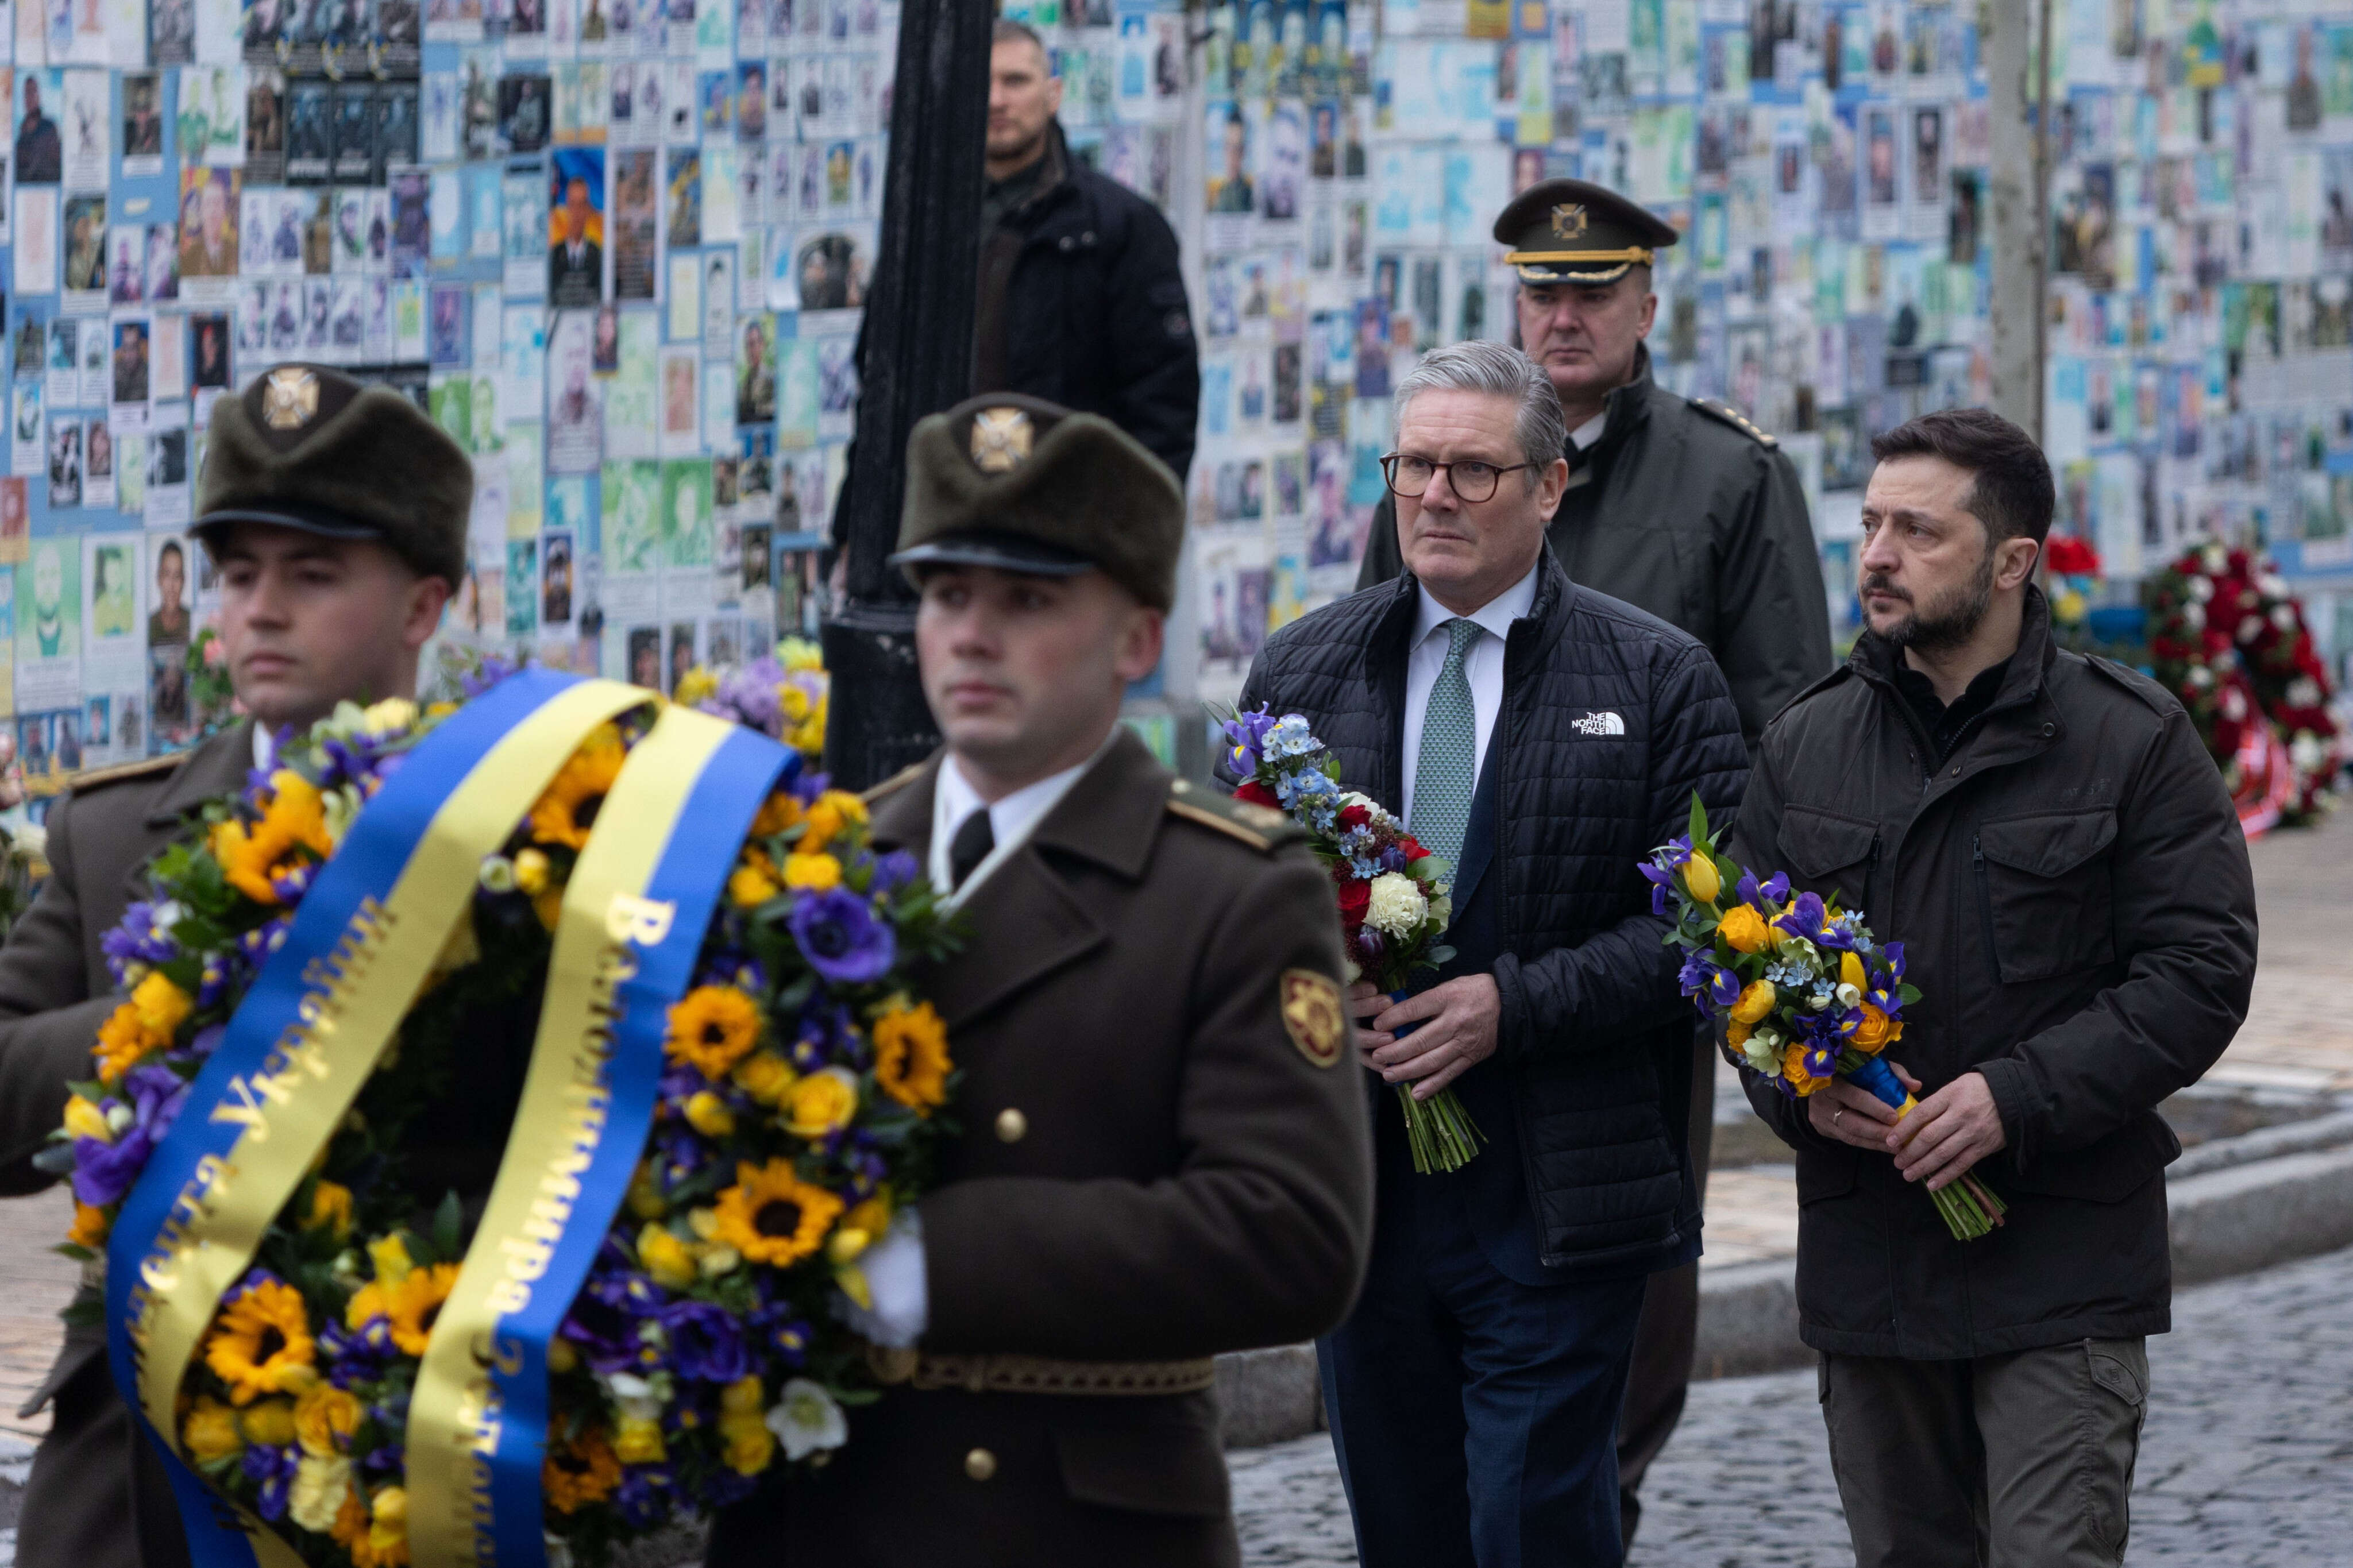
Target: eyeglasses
column 1469, row 480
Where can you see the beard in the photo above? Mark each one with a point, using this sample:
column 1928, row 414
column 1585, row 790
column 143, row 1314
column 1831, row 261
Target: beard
column 1947, row 622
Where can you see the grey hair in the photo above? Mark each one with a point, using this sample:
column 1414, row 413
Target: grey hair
column 1499, row 371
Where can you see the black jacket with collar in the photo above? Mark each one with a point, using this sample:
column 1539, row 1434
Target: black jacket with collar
column 2072, row 888
column 1610, row 720
column 1687, row 510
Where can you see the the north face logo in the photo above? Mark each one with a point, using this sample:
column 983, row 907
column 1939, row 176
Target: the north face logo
column 1599, row 724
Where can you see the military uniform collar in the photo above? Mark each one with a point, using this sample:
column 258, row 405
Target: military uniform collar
column 1111, row 815
column 214, row 770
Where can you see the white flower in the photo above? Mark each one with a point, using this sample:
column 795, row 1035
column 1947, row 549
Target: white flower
column 321, row 1481
column 1397, row 906
column 806, row 1419
column 2284, row 616
column 1849, row 997
column 2303, row 692
column 2194, row 616
column 2201, row 589
column 2307, row 751
column 345, row 722
column 641, row 1398
column 392, row 714
column 2250, row 628
column 497, row 875
column 2273, row 584
column 1761, row 1054
column 2201, row 676
column 339, row 806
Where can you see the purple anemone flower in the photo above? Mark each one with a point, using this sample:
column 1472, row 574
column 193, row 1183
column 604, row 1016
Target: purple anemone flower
column 705, row 1342
column 838, row 933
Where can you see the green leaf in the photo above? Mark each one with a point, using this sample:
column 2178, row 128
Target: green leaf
column 446, row 1222
column 1698, row 821
column 1908, row 991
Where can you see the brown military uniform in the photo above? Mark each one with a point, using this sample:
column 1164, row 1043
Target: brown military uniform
column 1163, row 1156
column 96, row 1496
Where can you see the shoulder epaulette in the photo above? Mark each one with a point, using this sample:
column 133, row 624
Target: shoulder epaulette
column 894, row 784
column 1724, row 412
column 1256, row 826
column 146, row 768
column 2157, row 697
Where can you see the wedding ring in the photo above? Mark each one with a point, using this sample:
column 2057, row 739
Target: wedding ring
column 1834, row 1117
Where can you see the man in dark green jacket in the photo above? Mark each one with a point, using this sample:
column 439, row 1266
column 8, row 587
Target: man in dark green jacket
column 1680, row 507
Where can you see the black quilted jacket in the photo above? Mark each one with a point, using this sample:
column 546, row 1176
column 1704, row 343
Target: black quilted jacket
column 1595, row 1038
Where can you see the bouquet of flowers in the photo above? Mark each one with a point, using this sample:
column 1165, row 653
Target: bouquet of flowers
column 1805, row 992
column 1395, row 896
column 784, row 695
column 798, row 1107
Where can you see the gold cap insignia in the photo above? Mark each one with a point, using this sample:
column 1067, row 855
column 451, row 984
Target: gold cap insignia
column 1000, row 439
column 289, row 398
column 1568, row 221
column 1311, row 1013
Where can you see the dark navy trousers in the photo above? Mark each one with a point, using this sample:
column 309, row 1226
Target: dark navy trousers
column 1475, row 1416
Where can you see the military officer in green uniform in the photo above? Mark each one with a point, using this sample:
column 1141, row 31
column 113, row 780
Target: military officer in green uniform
column 1679, row 506
column 1163, row 1156
column 336, row 516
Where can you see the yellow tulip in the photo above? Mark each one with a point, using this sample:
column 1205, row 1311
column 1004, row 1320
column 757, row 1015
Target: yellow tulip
column 665, row 1258
column 1700, row 879
column 85, row 1119
column 1755, row 1003
column 392, row 1260
column 210, row 1431
column 708, row 1114
column 1851, row 970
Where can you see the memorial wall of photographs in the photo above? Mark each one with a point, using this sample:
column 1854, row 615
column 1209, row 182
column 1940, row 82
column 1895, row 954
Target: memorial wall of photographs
column 616, row 247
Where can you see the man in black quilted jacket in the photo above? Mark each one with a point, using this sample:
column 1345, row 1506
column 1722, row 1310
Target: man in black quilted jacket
column 1542, row 737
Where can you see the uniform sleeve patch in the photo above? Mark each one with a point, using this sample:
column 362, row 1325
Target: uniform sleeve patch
column 1311, row 1013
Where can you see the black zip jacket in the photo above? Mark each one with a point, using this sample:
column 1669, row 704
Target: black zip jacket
column 2072, row 888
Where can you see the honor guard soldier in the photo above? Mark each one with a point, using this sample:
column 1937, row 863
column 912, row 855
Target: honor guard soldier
column 1678, row 505
column 335, row 514
column 1163, row 1155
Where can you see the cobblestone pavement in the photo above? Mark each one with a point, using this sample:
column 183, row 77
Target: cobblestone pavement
column 2247, row 1460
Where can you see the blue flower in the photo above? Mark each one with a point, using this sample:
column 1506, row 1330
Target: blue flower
column 705, row 1342
column 1247, row 734
column 645, row 1498
column 1289, row 736
column 357, row 1355
column 272, row 1470
column 838, row 933
column 893, row 872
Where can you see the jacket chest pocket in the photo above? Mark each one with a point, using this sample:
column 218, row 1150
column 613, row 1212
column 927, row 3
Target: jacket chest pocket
column 2044, row 887
column 1827, row 853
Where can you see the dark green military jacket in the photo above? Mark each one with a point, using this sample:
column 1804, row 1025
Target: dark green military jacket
column 97, row 1493
column 1687, row 510
column 1163, row 1155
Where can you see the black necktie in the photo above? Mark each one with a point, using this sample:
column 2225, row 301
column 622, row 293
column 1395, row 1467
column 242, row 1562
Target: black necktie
column 970, row 847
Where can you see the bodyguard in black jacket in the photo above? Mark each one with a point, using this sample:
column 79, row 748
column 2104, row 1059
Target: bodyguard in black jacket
column 2048, row 838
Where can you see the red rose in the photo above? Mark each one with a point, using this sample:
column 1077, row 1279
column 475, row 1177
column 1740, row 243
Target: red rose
column 1258, row 793
column 1354, row 816
column 1355, row 897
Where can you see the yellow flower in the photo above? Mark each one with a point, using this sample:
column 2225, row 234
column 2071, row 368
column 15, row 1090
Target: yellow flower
column 324, row 1419
column 708, row 1114
column 331, row 1208
column 161, row 1006
column 1737, row 1034
column 749, row 1444
column 388, row 1534
column 1851, row 970
column 712, row 1027
column 780, row 813
column 1793, row 1068
column 531, row 871
column 90, row 1226
column 764, row 1077
column 797, row 654
column 646, row 1199
column 820, row 1102
column 210, row 1432
column 697, row 685
column 269, row 1423
column 121, row 1041
column 567, row 812
column 872, row 1217
column 665, row 1258
column 292, row 831
column 827, row 815
column 1755, row 1003
column 772, row 1217
column 261, row 1343
column 561, row 1356
column 638, row 1440
column 584, row 1470
column 816, row 873
column 393, row 714
column 793, row 703
column 742, row 1396
column 911, row 1057
column 415, row 1302
column 1744, row 928
column 1876, row 1032
column 85, row 1119
column 754, row 880
column 390, row 1255
column 1700, row 879
column 322, row 1482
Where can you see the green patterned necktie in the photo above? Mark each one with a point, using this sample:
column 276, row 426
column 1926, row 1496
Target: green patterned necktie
column 1448, row 766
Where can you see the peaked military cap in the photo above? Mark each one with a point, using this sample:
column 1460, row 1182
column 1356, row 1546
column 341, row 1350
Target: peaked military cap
column 1024, row 485
column 1573, row 231
column 310, row 449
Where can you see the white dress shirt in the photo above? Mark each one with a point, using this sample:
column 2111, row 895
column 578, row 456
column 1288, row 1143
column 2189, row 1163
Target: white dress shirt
column 1010, row 820
column 1591, row 431
column 1482, row 665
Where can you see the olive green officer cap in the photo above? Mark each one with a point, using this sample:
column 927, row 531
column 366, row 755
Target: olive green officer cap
column 1573, row 231
column 1027, row 486
column 310, row 449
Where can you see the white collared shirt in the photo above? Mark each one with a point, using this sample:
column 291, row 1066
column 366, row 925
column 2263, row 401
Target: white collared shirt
column 1591, row 431
column 1482, row 665
column 265, row 748
column 1010, row 820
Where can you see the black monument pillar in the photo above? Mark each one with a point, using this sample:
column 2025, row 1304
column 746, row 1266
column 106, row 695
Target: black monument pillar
column 915, row 359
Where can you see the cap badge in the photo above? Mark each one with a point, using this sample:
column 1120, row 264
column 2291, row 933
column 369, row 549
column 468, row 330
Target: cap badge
column 289, row 397
column 1000, row 439
column 1568, row 221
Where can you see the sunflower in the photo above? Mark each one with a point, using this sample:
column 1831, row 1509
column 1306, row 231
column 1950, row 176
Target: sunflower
column 713, row 1027
column 911, row 1057
column 583, row 1471
column 415, row 1302
column 254, row 856
column 262, row 1344
column 568, row 810
column 772, row 1217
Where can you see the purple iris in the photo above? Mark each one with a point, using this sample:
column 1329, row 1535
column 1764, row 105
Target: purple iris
column 133, row 940
column 1751, row 891
column 603, row 1323
column 272, row 1470
column 893, row 872
column 1662, row 881
column 357, row 1355
column 840, row 936
column 644, row 1499
column 1802, row 918
column 705, row 1342
column 264, row 938
column 1248, row 733
column 103, row 1172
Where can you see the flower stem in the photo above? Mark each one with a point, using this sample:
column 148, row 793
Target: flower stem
column 1438, row 1131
